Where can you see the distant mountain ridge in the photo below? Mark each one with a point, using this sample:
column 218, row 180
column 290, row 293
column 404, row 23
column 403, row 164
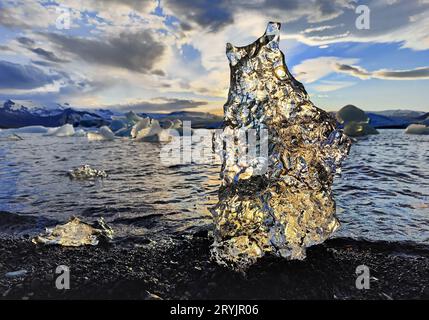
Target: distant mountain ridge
column 15, row 115
column 396, row 119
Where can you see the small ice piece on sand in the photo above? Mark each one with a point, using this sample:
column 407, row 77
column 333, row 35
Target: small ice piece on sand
column 16, row 274
column 66, row 130
column 76, row 233
column 103, row 134
column 417, row 129
column 86, row 172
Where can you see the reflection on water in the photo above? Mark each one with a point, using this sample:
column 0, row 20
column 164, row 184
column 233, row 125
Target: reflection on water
column 383, row 193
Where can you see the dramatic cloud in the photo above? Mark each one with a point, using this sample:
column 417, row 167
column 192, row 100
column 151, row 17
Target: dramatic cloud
column 26, row 42
column 215, row 15
column 211, row 15
column 25, row 14
column 329, row 85
column 17, row 76
column 311, row 70
column 29, row 44
column 160, row 105
column 137, row 52
column 359, row 72
column 48, row 55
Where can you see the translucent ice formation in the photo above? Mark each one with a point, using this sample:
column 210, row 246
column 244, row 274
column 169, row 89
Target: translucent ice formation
column 76, row 233
column 289, row 206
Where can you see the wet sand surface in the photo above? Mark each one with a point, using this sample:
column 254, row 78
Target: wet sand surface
column 180, row 268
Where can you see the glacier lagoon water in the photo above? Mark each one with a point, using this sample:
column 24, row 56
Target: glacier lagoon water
column 383, row 193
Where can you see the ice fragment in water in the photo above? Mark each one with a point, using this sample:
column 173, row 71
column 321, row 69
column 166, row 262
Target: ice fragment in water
column 289, row 206
column 76, row 233
column 86, row 172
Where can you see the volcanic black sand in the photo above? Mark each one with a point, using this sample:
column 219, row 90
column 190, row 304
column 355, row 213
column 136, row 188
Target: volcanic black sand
column 181, row 269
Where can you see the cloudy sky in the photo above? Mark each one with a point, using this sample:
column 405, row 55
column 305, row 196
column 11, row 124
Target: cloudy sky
column 167, row 55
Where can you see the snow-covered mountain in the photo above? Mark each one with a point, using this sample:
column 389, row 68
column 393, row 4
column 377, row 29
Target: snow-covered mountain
column 395, row 119
column 198, row 119
column 45, row 110
column 15, row 115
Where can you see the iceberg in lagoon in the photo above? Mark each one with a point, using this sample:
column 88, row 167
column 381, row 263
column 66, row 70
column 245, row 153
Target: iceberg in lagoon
column 66, row 130
column 417, row 129
column 104, row 133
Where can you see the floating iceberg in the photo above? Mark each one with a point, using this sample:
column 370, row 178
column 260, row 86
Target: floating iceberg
column 28, row 129
column 66, row 130
column 355, row 121
column 80, row 133
column 155, row 133
column 125, row 132
column 290, row 205
column 177, row 123
column 167, row 124
column 118, row 124
column 142, row 124
column 86, row 172
column 76, row 233
column 358, row 129
column 417, row 129
column 104, row 133
column 132, row 117
column 350, row 113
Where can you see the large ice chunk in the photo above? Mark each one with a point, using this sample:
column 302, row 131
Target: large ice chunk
column 289, row 206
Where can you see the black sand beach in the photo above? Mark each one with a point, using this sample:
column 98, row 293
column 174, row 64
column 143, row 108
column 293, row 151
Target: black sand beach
column 180, row 269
